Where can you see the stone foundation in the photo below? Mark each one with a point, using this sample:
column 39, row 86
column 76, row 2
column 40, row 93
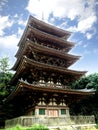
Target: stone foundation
column 50, row 121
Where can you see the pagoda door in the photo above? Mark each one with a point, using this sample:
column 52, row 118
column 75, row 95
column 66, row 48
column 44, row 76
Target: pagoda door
column 53, row 113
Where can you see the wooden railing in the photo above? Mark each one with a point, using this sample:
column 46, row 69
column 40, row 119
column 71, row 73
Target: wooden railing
column 50, row 121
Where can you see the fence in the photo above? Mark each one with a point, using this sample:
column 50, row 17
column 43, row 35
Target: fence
column 50, row 121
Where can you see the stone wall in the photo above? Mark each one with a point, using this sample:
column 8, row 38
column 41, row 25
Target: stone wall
column 50, row 121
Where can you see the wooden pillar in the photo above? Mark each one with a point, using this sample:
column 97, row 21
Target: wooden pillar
column 67, row 111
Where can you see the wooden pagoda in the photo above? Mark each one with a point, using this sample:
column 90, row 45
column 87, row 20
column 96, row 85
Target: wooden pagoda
column 42, row 76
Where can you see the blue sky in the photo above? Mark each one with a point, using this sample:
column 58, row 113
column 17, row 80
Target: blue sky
column 78, row 16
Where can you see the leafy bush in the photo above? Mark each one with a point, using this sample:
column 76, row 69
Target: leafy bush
column 96, row 125
column 17, row 127
column 37, row 127
column 34, row 127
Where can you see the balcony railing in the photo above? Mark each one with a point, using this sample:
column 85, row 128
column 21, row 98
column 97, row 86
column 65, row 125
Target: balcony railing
column 50, row 121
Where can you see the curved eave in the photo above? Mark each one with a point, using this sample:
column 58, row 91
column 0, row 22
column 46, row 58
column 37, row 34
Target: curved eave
column 29, row 30
column 42, row 35
column 28, row 63
column 24, row 35
column 44, row 47
column 49, row 51
column 22, row 85
column 47, row 27
column 55, row 68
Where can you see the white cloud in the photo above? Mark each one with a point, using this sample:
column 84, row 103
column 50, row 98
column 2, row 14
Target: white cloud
column 86, row 24
column 62, row 8
column 72, row 28
column 83, row 11
column 19, row 20
column 8, row 47
column 5, row 22
column 80, row 43
column 34, row 7
column 20, row 32
column 2, row 3
column 9, row 41
column 63, row 25
column 89, row 35
column 68, row 9
column 41, row 8
column 86, row 45
column 52, row 20
column 22, row 22
column 16, row 16
column 59, row 8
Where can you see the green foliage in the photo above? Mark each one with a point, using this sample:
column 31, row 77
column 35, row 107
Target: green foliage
column 89, row 105
column 81, row 83
column 34, row 127
column 96, row 125
column 5, row 89
column 37, row 127
column 17, row 127
column 42, row 127
column 90, row 81
column 5, row 77
column 4, row 64
column 4, row 83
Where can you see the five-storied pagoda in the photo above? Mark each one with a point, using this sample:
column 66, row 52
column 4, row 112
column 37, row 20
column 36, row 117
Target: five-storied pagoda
column 42, row 75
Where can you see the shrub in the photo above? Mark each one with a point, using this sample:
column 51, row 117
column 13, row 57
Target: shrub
column 96, row 126
column 37, row 127
column 34, row 127
column 17, row 127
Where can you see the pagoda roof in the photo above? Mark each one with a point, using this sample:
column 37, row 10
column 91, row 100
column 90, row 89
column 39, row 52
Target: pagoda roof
column 46, row 27
column 23, row 87
column 29, row 45
column 28, row 63
column 44, row 37
column 41, row 48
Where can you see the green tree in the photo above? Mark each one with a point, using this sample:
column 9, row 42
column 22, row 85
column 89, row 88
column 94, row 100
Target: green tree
column 5, row 89
column 4, row 66
column 90, row 81
column 4, row 83
column 5, row 77
column 88, row 106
